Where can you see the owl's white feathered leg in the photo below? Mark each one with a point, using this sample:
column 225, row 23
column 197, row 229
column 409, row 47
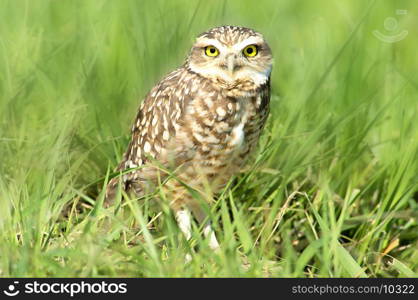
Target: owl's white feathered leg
column 209, row 233
column 184, row 220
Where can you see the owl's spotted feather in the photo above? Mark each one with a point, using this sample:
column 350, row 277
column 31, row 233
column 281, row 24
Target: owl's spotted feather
column 202, row 120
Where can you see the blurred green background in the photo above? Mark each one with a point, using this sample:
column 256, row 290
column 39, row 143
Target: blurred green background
column 334, row 187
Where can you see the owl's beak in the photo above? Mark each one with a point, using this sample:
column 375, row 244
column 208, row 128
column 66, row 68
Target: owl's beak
column 230, row 62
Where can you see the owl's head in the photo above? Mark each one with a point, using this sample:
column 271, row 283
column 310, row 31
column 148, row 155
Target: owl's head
column 231, row 55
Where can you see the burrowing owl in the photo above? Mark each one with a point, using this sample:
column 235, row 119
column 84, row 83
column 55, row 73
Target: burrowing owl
column 201, row 121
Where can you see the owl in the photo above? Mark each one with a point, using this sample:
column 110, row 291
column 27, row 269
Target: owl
column 202, row 121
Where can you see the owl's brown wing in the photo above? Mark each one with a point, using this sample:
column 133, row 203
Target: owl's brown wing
column 155, row 126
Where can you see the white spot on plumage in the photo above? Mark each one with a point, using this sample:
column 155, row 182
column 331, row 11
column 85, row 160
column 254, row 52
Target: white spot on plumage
column 157, row 147
column 222, row 127
column 208, row 102
column 154, row 121
column 165, row 122
column 147, row 147
column 199, row 137
column 178, row 114
column 258, row 102
column 237, row 136
column 190, row 109
column 131, row 164
column 212, row 139
column 209, row 122
column 166, row 135
column 221, row 112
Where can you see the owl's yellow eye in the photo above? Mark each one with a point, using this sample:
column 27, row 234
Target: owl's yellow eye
column 250, row 51
column 211, row 51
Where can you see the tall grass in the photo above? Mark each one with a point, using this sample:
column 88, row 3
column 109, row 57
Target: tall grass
column 333, row 189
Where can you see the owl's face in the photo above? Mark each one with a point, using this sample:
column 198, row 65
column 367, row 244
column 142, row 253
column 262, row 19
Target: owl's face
column 231, row 55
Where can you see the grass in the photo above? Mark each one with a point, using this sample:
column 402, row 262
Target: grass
column 332, row 192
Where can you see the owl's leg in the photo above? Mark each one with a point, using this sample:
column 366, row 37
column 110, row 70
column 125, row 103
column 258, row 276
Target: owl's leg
column 183, row 203
column 184, row 220
column 208, row 232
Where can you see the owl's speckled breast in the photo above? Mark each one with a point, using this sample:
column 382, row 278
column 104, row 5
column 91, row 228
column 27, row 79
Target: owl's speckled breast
column 222, row 131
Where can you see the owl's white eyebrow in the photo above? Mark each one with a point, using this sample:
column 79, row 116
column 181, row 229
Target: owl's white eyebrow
column 210, row 42
column 250, row 41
